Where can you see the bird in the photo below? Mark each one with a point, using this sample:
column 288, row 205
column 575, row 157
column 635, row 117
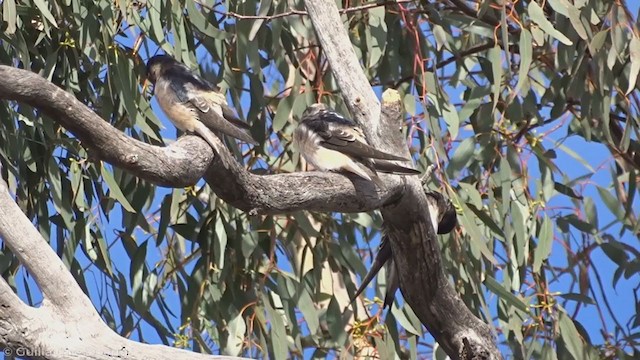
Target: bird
column 192, row 103
column 442, row 213
column 331, row 142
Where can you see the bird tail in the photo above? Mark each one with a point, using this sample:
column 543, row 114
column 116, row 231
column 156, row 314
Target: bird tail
column 384, row 254
column 389, row 167
column 354, row 168
column 393, row 283
column 377, row 154
column 222, row 125
column 206, row 133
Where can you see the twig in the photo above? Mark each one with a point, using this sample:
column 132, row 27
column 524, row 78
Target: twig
column 300, row 12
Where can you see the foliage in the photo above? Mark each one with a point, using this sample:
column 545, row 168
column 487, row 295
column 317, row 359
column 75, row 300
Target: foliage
column 530, row 110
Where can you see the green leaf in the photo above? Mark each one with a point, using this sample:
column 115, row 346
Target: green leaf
column 580, row 224
column 591, row 212
column 564, row 189
column 265, row 5
column 43, row 6
column 278, row 330
column 202, row 24
column 578, row 298
column 495, row 56
column 526, row 57
column 634, row 54
column 154, row 13
column 461, row 157
column 576, row 21
column 545, row 243
column 441, row 37
column 378, row 30
column 335, row 322
column 137, row 274
column 60, row 200
column 487, row 220
column 548, row 353
column 611, row 202
column 236, row 329
column 570, row 336
column 537, row 15
column 308, row 310
column 402, row 319
column 560, row 6
column 9, row 15
column 115, row 191
column 103, row 252
column 598, row 41
column 478, row 240
column 220, row 241
column 283, row 112
column 505, row 295
column 615, row 252
column 450, row 115
column 520, row 219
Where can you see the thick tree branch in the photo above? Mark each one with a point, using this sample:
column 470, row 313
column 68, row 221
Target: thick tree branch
column 413, row 239
column 190, row 158
column 66, row 326
column 22, row 237
column 354, row 85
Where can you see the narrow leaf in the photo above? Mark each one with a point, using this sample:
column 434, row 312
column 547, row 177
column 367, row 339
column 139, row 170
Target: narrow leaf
column 537, row 15
column 504, row 294
column 526, row 51
column 570, row 336
column 114, row 189
column 44, row 10
column 634, row 54
column 545, row 242
column 10, row 15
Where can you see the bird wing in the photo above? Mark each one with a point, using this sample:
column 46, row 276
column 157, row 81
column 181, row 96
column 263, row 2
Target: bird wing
column 185, row 83
column 393, row 283
column 391, row 168
column 213, row 110
column 383, row 255
column 191, row 87
column 343, row 135
column 203, row 101
column 215, row 121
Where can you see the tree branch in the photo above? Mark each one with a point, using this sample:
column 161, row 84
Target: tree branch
column 67, row 319
column 185, row 161
column 23, row 238
column 356, row 91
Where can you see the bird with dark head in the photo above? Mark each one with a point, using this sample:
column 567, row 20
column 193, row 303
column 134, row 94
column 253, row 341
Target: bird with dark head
column 192, row 103
column 443, row 216
column 331, row 142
